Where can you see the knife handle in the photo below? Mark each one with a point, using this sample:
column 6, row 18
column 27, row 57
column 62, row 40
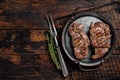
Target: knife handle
column 62, row 63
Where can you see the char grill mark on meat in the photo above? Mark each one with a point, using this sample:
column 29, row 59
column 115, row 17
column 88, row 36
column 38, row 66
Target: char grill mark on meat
column 99, row 52
column 80, row 41
column 100, row 38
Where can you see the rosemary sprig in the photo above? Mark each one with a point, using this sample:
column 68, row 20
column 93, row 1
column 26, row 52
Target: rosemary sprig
column 52, row 50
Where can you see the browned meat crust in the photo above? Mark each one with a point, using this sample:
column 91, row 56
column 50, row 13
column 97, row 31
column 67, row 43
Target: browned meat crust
column 100, row 38
column 80, row 40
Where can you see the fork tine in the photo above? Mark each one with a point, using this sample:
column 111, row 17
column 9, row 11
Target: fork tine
column 49, row 25
column 53, row 25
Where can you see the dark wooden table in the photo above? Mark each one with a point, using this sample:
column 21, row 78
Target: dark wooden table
column 23, row 47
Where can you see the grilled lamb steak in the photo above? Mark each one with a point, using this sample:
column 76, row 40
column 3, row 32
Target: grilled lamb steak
column 100, row 38
column 80, row 41
column 99, row 52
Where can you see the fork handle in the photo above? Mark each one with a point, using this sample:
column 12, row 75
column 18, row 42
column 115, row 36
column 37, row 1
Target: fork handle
column 62, row 63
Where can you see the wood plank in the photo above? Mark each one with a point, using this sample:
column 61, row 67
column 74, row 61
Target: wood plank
column 109, row 70
column 19, row 14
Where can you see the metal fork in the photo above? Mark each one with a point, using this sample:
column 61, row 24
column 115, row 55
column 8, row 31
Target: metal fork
column 53, row 32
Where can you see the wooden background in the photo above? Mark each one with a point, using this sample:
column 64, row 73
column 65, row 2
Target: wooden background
column 23, row 48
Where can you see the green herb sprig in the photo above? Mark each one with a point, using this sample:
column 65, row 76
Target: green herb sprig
column 52, row 50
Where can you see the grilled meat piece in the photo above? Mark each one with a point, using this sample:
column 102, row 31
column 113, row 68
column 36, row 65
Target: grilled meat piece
column 100, row 38
column 99, row 52
column 100, row 35
column 80, row 41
